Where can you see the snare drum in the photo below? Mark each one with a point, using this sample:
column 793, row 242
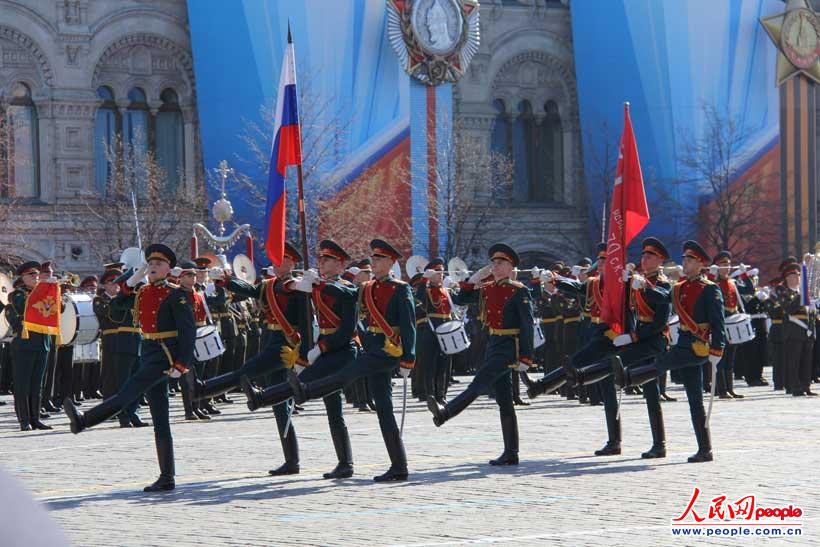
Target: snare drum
column 87, row 353
column 78, row 324
column 674, row 329
column 208, row 344
column 452, row 337
column 739, row 329
column 5, row 329
column 538, row 335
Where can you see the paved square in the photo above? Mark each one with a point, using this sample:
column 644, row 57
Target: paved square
column 765, row 444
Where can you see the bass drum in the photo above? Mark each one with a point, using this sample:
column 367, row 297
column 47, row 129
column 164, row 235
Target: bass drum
column 78, row 324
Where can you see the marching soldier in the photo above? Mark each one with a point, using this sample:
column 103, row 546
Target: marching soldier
column 335, row 302
column 120, row 344
column 90, row 381
column 732, row 305
column 755, row 354
column 507, row 312
column 433, row 309
column 798, row 333
column 187, row 281
column 29, row 351
column 284, row 312
column 390, row 342
column 166, row 318
column 699, row 304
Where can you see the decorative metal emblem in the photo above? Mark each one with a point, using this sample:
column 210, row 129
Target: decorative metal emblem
column 222, row 211
column 434, row 39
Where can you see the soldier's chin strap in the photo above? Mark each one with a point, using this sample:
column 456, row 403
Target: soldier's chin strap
column 711, row 393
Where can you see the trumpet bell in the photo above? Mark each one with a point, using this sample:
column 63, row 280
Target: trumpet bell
column 415, row 265
column 456, row 264
column 396, row 270
column 244, row 269
column 133, row 258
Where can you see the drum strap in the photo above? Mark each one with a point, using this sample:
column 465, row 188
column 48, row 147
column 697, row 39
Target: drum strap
column 373, row 309
column 290, row 333
column 204, row 303
column 701, row 333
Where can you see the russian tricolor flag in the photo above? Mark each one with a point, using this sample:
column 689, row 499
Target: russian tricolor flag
column 287, row 150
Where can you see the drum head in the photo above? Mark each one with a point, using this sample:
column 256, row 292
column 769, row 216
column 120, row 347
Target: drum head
column 448, row 327
column 68, row 323
column 201, row 332
column 737, row 318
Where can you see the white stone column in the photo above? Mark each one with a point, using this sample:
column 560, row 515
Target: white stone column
column 189, row 159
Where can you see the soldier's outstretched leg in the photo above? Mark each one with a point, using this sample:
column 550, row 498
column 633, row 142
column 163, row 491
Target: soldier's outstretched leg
column 509, row 421
column 551, row 380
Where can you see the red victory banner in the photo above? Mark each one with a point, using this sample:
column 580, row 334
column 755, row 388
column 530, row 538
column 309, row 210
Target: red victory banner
column 628, row 216
column 42, row 313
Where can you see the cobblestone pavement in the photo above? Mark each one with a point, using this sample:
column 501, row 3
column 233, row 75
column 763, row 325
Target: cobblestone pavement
column 765, row 444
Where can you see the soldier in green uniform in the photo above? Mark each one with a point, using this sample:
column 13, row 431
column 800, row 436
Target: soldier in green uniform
column 798, row 333
column 120, row 343
column 165, row 317
column 29, row 352
column 390, row 342
column 699, row 305
column 507, row 312
column 434, row 308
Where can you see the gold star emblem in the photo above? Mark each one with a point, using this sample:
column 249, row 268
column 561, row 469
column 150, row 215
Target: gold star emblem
column 796, row 33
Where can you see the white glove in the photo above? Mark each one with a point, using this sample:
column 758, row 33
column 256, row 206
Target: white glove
column 714, row 359
column 547, row 276
column 713, row 269
column 480, row 274
column 354, row 270
column 210, row 289
column 638, row 282
column 753, row 272
column 137, row 276
column 536, row 273
column 405, row 372
column 175, row 271
column 298, row 369
column 305, row 284
column 576, row 271
column 428, row 274
column 174, row 373
column 761, row 295
column 217, row 274
column 314, row 354
column 625, row 275
column 522, row 367
column 448, row 283
column 51, row 279
column 622, row 340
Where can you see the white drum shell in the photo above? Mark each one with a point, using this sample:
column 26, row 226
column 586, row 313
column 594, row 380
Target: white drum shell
column 208, row 344
column 739, row 329
column 452, row 337
column 87, row 353
column 538, row 335
column 78, row 324
column 674, row 329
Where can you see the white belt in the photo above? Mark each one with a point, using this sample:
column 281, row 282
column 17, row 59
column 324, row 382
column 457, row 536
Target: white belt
column 759, row 316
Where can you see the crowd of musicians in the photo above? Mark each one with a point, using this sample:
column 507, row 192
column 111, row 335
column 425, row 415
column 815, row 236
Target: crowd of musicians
column 351, row 330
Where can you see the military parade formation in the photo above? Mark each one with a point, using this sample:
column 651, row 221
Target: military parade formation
column 152, row 327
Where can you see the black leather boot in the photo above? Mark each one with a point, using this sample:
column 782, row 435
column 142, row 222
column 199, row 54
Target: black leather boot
column 272, row 396
column 587, row 375
column 165, row 455
column 214, row 387
column 290, row 449
column 509, row 432
column 23, row 413
column 341, row 443
column 398, row 458
column 704, row 437
column 730, row 386
column 632, row 376
column 442, row 413
column 136, row 422
column 613, row 428
column 93, row 416
column 551, row 381
column 34, row 412
column 658, row 449
column 721, row 387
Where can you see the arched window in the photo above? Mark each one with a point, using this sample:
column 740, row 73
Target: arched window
column 135, row 130
column 501, row 138
column 522, row 147
column 106, row 127
column 19, row 145
column 170, row 138
column 551, row 154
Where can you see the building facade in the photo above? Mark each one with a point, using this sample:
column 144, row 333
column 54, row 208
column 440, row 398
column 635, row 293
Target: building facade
column 519, row 97
column 74, row 74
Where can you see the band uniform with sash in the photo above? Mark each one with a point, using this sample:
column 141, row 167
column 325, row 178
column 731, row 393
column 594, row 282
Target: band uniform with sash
column 388, row 343
column 732, row 305
column 433, row 309
column 506, row 309
column 798, row 333
column 166, row 320
column 121, row 341
column 699, row 305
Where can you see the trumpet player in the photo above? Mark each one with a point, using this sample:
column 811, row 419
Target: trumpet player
column 507, row 312
column 166, row 319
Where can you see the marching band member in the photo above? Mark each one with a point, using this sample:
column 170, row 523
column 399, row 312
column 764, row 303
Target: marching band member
column 798, row 333
column 166, row 318
column 121, row 341
column 29, row 351
column 390, row 342
column 434, row 308
column 507, row 312
column 732, row 304
column 187, row 281
column 699, row 304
